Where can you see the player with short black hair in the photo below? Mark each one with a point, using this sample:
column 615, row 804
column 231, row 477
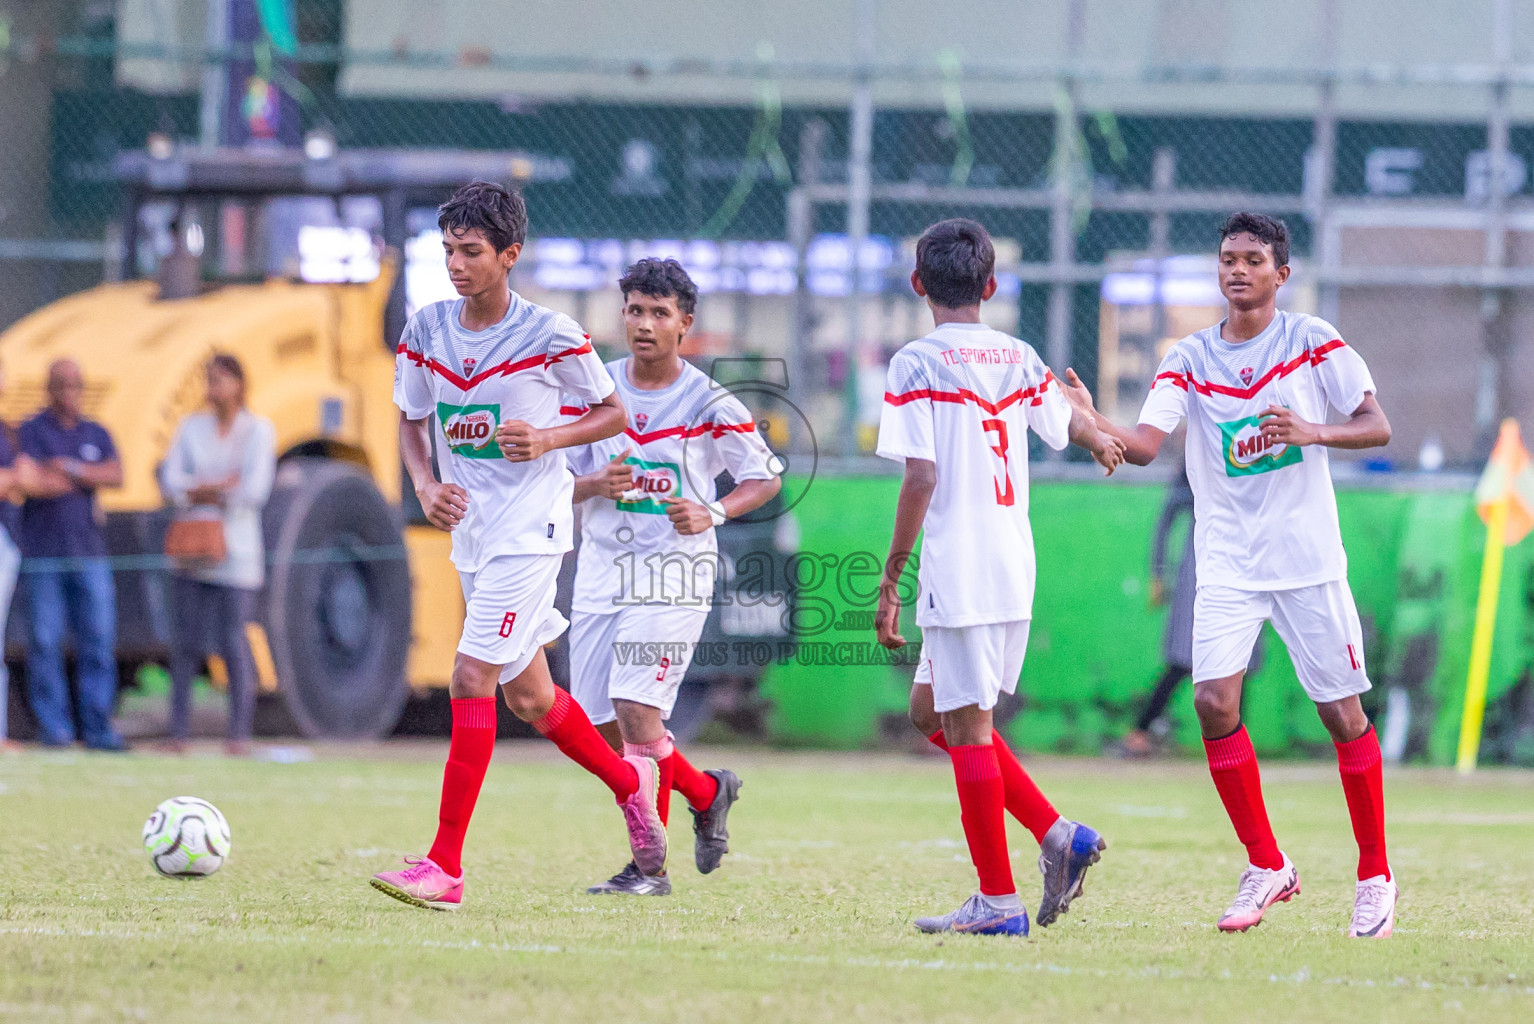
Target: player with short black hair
column 954, row 259
column 1270, row 231
column 648, row 559
column 1257, row 391
column 497, row 212
column 661, row 279
column 959, row 404
column 489, row 370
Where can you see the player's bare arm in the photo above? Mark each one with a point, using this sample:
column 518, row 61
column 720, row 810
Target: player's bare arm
column 910, row 510
column 1366, row 428
column 520, row 441
column 690, row 517
column 1105, row 448
column 444, row 505
column 1141, row 444
column 610, row 482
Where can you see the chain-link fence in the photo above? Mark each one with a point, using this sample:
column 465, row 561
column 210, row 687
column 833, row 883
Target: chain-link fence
column 1105, row 218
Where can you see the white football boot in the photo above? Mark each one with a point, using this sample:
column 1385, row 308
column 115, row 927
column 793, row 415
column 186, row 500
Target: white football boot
column 1260, row 888
column 1374, row 909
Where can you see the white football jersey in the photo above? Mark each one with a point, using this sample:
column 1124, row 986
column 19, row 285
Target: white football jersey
column 1265, row 515
column 470, row 382
column 678, row 439
column 964, row 397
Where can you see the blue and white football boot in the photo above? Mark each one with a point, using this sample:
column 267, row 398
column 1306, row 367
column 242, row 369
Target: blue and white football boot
column 978, row 917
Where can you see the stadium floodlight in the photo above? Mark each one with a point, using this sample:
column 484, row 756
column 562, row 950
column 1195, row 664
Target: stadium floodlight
column 319, row 144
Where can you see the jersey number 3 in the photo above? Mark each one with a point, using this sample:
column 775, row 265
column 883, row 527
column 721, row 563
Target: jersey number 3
column 1003, row 483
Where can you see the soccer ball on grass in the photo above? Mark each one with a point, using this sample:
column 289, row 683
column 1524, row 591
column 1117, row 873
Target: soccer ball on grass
column 186, row 838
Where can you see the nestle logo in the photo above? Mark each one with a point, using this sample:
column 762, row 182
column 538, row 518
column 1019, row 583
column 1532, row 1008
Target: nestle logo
column 470, row 427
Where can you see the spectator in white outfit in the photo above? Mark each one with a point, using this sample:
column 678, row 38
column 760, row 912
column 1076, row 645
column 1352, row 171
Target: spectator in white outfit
column 219, row 468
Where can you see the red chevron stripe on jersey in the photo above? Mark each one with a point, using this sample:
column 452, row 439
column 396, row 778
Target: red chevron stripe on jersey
column 1313, row 357
column 500, row 369
column 718, row 430
column 965, row 395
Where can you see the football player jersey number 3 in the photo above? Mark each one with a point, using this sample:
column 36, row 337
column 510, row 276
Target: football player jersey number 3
column 1003, row 483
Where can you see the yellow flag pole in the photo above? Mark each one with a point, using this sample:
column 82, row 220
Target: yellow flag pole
column 1480, row 644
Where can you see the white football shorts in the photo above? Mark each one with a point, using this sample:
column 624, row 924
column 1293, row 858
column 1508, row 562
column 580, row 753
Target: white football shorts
column 1318, row 624
column 639, row 653
column 510, row 613
column 971, row 665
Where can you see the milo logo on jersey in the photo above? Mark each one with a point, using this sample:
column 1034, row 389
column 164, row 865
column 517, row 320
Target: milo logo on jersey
column 1247, row 452
column 470, row 429
column 653, row 482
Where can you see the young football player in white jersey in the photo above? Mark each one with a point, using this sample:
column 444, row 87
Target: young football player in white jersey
column 645, row 576
column 489, row 369
column 1265, row 394
column 957, row 412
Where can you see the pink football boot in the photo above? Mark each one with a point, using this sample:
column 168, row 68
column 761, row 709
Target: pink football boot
column 647, row 836
column 422, row 884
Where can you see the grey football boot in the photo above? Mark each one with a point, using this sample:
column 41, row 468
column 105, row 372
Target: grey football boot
column 1068, row 849
column 711, row 837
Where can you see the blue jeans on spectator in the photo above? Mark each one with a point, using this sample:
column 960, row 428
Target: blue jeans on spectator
column 10, row 562
column 85, row 596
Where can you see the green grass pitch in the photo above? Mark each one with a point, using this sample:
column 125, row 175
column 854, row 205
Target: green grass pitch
column 809, row 919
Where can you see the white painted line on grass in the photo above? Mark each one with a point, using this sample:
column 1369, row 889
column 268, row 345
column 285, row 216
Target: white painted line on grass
column 1301, row 977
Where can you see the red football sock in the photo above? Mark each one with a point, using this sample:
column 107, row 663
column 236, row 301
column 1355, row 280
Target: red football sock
column 663, row 794
column 982, row 809
column 662, row 751
column 572, row 732
column 468, row 756
column 1363, row 780
column 1025, row 801
column 698, row 788
column 1233, row 764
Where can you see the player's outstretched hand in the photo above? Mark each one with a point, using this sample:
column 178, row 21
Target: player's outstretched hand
column 1076, row 392
column 1281, row 426
column 445, row 505
column 688, row 517
column 887, row 617
column 520, row 441
column 618, row 476
column 1108, row 451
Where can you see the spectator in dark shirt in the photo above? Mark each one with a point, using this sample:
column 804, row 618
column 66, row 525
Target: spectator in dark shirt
column 15, row 472
column 69, row 577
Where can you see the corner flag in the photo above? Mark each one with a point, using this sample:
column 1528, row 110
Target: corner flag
column 1509, row 477
column 1505, row 501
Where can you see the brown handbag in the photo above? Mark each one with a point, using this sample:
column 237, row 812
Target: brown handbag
column 198, row 540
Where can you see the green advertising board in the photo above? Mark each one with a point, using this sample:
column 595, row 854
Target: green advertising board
column 1414, row 556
